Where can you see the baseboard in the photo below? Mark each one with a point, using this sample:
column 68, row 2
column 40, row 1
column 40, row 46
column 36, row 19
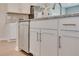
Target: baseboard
column 11, row 40
column 7, row 40
column 3, row 41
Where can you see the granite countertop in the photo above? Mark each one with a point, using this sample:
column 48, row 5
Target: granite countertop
column 52, row 17
column 57, row 17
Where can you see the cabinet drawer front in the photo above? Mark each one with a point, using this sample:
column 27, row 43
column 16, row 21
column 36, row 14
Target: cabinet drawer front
column 70, row 23
column 52, row 24
column 69, row 27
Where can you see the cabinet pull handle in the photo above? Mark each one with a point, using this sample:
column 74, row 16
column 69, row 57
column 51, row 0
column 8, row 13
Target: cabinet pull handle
column 69, row 24
column 59, row 42
column 40, row 37
column 37, row 36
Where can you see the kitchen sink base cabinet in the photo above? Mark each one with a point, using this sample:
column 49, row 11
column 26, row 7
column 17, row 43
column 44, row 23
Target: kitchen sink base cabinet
column 43, row 38
column 48, row 43
column 55, row 37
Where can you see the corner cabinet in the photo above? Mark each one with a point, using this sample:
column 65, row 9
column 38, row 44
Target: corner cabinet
column 43, row 38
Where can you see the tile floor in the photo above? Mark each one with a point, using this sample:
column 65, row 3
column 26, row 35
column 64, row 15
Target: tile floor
column 8, row 49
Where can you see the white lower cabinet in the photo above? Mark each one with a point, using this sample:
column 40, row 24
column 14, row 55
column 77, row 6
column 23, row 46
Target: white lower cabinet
column 43, row 38
column 49, row 43
column 69, row 41
column 69, row 46
column 52, row 38
column 23, row 36
column 35, row 42
column 43, row 43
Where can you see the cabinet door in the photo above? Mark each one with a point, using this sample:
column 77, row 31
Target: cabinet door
column 49, row 43
column 45, row 24
column 21, row 34
column 34, row 42
column 69, row 37
column 69, row 46
column 24, row 36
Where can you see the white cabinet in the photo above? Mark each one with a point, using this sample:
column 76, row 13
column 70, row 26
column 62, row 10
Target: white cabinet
column 23, row 36
column 35, row 38
column 43, row 37
column 34, row 42
column 48, row 43
column 69, row 41
column 55, row 37
column 69, row 46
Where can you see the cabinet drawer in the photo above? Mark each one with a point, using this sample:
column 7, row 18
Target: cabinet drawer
column 70, row 23
column 52, row 24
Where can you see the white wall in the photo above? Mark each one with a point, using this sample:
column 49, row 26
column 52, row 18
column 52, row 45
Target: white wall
column 2, row 25
column 3, row 7
column 11, row 32
column 7, row 30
